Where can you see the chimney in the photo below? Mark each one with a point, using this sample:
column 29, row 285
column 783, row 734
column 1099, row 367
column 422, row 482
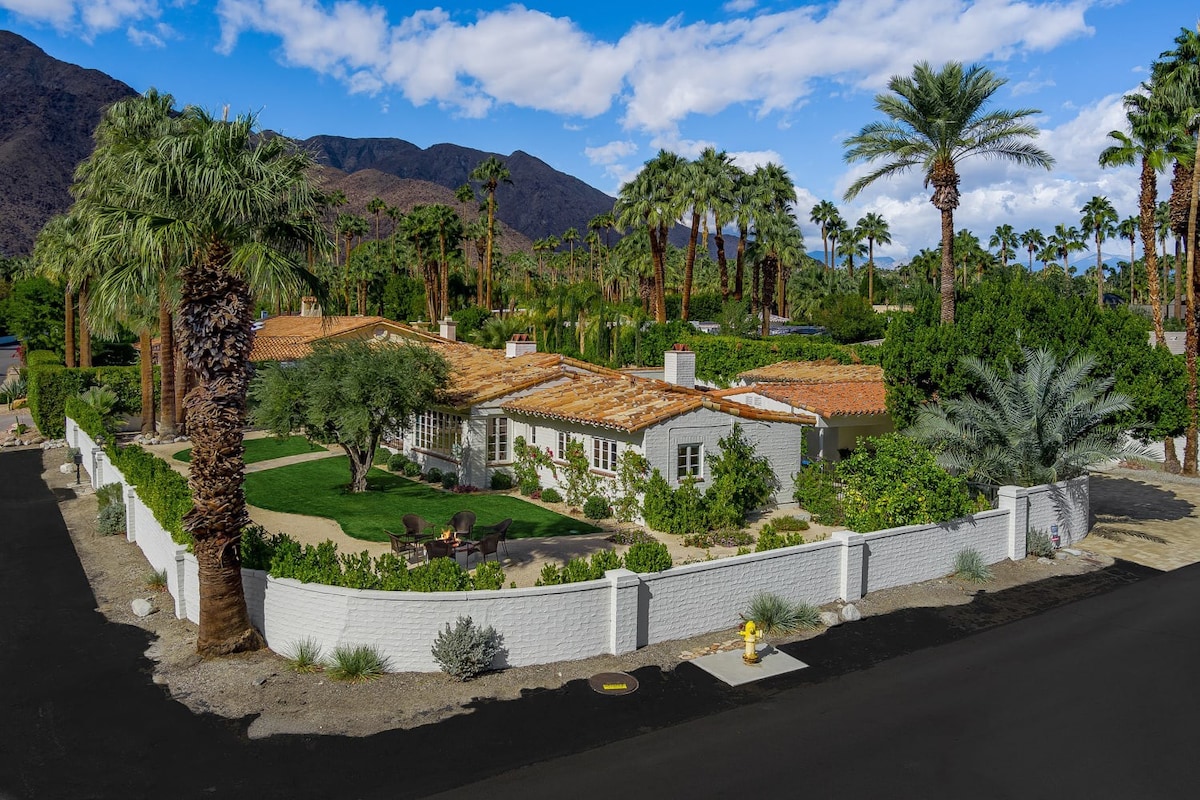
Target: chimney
column 448, row 329
column 309, row 307
column 679, row 366
column 520, row 344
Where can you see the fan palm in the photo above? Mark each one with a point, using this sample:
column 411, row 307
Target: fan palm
column 1128, row 229
column 1032, row 240
column 822, row 214
column 1041, row 422
column 719, row 175
column 938, row 118
column 242, row 208
column 490, row 172
column 1004, row 238
column 650, row 201
column 1100, row 220
column 875, row 228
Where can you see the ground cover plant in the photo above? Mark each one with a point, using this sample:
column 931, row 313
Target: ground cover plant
column 317, row 488
column 266, row 449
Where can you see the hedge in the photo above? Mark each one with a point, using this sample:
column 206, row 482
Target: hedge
column 50, row 386
column 164, row 491
column 89, row 420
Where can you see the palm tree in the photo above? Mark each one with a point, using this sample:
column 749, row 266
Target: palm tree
column 822, row 214
column 850, row 247
column 351, row 227
column 570, row 237
column 1064, row 241
column 835, row 228
column 718, row 179
column 1128, row 229
column 449, row 234
column 59, row 245
column 376, row 206
column 1032, row 240
column 745, row 208
column 242, row 208
column 690, row 197
column 1099, row 220
column 876, row 229
column 650, row 201
column 1006, row 239
column 490, row 173
column 938, row 118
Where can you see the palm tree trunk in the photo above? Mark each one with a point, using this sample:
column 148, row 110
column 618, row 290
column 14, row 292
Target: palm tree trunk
column 722, row 261
column 825, row 246
column 146, row 373
column 1099, row 275
column 947, row 266
column 739, row 264
column 182, row 384
column 216, row 315
column 688, row 267
column 1178, row 278
column 491, row 232
column 69, row 327
column 657, row 254
column 871, row 271
column 166, row 363
column 85, row 333
column 1146, row 201
column 1190, row 336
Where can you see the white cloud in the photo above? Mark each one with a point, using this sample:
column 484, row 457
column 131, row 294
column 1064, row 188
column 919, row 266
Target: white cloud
column 89, row 17
column 154, row 36
column 610, row 153
column 739, row 6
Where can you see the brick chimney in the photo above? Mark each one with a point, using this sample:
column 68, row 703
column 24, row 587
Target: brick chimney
column 448, row 329
column 520, row 344
column 309, row 307
column 679, row 366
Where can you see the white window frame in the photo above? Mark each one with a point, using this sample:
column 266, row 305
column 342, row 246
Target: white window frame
column 564, row 439
column 689, row 461
column 498, row 440
column 604, row 454
column 437, row 432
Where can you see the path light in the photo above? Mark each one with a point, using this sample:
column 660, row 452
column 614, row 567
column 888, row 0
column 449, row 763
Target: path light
column 77, row 457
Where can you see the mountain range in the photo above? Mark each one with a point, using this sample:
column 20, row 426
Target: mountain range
column 51, row 109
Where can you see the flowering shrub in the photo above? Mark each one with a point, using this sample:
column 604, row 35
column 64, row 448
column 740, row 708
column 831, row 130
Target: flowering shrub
column 526, row 462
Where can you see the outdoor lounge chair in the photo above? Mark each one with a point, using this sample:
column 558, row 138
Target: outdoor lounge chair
column 501, row 528
column 485, row 546
column 439, row 548
column 463, row 523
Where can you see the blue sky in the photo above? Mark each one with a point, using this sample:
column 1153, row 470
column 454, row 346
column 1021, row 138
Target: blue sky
column 595, row 89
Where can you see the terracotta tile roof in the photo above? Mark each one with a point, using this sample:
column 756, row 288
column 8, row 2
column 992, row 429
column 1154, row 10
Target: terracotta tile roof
column 290, row 338
column 812, row 372
column 478, row 375
column 833, row 399
column 628, row 403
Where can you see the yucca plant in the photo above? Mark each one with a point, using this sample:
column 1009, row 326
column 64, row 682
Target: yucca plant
column 774, row 614
column 356, row 664
column 305, row 656
column 1039, row 422
column 969, row 566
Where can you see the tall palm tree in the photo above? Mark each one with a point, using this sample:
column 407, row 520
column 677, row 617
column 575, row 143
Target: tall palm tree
column 822, row 214
column 1040, row 422
column 1100, row 221
column 242, row 207
column 1128, row 229
column 377, row 206
column 650, row 201
column 570, row 237
column 1004, row 238
column 836, row 228
column 1032, row 240
column 719, row 177
column 1065, row 240
column 490, row 172
column 938, row 118
column 876, row 229
column 746, row 194
column 351, row 227
column 59, row 245
column 851, row 247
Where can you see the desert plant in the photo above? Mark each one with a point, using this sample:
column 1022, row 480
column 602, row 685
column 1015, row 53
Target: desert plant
column 648, row 557
column 103, row 400
column 771, row 539
column 597, row 507
column 111, row 520
column 355, row 664
column 551, row 495
column 110, row 494
column 501, row 481
column 449, row 480
column 631, row 536
column 789, row 523
column 775, row 614
column 412, row 469
column 1039, row 543
column 156, row 580
column 969, row 566
column 466, row 650
column 304, row 656
column 488, row 575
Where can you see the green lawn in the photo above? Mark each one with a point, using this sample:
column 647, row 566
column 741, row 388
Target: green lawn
column 265, row 449
column 316, row 488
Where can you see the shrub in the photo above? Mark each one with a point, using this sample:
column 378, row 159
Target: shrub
column 464, row 488
column 632, row 469
column 501, row 481
column 659, row 503
column 412, row 469
column 969, row 566
column 13, row 390
column 439, row 575
column 111, row 520
column 466, row 650
column 741, row 481
column 356, row 664
column 631, row 536
column 770, row 539
column 789, row 523
column 39, row 358
column 648, row 557
column 103, row 400
column 449, row 480
column 397, row 462
column 1039, row 543
column 551, row 495
column 110, row 494
column 156, row 580
column 488, row 575
column 728, row 537
column 579, row 569
column 774, row 614
column 50, row 388
column 256, row 547
column 304, row 656
column 526, row 462
column 578, row 482
column 164, row 491
column 817, row 493
column 433, row 475
column 597, row 507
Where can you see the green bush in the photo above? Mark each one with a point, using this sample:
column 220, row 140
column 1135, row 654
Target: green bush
column 466, row 650
column 488, row 575
column 770, row 539
column 40, row 358
column 439, row 575
column 397, row 462
column 969, row 566
column 817, row 493
column 774, row 614
column 449, row 480
column 51, row 386
column 741, row 481
column 659, row 503
column 789, row 523
column 1039, row 543
column 111, row 520
column 579, row 569
column 501, row 481
column 648, row 557
column 355, row 664
column 110, row 494
column 726, row 537
column 596, row 507
column 412, row 469
column 164, row 491
column 88, row 418
column 551, row 495
column 433, row 475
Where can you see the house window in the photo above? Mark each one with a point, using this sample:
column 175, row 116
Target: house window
column 437, row 432
column 563, row 439
column 604, row 454
column 689, row 461
column 498, row 439
column 533, row 434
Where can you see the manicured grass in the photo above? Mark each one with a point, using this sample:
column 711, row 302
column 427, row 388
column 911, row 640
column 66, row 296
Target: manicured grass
column 265, row 449
column 317, row 488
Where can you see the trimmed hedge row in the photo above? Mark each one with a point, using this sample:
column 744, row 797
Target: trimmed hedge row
column 89, row 420
column 164, row 491
column 51, row 385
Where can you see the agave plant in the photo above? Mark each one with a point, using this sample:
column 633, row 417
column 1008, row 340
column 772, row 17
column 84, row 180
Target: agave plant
column 1040, row 422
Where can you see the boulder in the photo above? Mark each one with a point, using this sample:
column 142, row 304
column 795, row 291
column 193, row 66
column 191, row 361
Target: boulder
column 850, row 613
column 142, row 607
column 830, row 619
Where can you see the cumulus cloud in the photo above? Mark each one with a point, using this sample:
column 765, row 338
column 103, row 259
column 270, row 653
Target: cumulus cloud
column 610, row 153
column 152, row 36
column 89, row 17
column 739, row 6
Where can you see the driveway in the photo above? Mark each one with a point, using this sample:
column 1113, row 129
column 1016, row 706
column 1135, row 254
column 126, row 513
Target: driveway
column 1145, row 516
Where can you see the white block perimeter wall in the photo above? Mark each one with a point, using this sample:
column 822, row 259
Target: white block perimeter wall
column 623, row 610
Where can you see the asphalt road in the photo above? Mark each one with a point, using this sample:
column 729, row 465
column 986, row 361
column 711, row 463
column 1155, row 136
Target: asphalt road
column 1093, row 696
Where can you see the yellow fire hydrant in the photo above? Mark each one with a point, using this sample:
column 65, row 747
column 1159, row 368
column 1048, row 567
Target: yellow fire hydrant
column 752, row 635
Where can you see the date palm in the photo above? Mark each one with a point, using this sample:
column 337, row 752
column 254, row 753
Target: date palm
column 850, row 247
column 242, row 208
column 1032, row 240
column 877, row 231
column 1004, row 238
column 1099, row 220
column 937, row 119
column 490, row 173
column 836, row 228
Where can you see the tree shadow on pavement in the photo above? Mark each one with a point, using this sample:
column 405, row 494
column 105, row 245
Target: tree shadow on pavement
column 1128, row 500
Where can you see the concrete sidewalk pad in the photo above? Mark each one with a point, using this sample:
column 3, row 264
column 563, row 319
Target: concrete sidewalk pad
column 729, row 666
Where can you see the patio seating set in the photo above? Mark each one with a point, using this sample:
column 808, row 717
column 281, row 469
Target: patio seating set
column 422, row 538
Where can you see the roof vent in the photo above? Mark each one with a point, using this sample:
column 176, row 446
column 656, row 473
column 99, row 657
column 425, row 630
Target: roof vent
column 448, row 329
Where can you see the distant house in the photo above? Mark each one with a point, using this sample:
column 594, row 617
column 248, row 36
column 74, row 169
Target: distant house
column 291, row 338
column 846, row 399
